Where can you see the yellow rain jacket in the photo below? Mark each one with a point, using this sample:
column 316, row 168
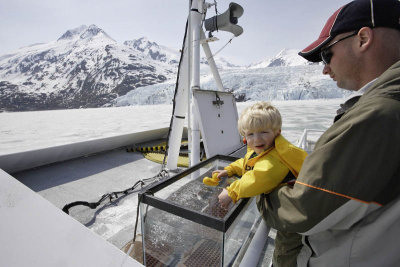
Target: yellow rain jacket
column 263, row 173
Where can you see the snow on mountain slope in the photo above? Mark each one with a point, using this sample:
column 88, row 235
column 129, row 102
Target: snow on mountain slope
column 85, row 67
column 286, row 57
column 155, row 51
column 172, row 56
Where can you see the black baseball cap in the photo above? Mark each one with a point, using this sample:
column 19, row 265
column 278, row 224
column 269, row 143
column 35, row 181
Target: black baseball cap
column 352, row 17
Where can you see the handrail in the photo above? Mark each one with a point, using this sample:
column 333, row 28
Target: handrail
column 303, row 141
column 256, row 247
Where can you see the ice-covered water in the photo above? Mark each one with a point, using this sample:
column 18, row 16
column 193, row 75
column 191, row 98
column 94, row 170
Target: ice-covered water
column 21, row 131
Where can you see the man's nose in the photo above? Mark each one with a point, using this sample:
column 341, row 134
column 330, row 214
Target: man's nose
column 326, row 69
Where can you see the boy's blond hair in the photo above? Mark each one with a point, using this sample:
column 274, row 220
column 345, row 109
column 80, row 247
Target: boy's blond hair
column 262, row 115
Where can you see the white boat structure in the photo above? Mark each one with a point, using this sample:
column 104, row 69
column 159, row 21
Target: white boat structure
column 35, row 231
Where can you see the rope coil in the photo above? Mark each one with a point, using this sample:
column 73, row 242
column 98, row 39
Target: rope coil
column 115, row 195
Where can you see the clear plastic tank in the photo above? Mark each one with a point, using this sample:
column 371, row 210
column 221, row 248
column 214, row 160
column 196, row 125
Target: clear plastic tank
column 184, row 225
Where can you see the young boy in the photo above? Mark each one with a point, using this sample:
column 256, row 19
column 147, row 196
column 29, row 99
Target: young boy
column 270, row 159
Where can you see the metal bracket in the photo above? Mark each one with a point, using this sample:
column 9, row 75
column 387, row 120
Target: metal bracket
column 208, row 40
column 218, row 102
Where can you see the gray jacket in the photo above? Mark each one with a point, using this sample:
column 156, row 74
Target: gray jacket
column 346, row 200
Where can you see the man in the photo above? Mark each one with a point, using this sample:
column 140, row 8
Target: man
column 346, row 199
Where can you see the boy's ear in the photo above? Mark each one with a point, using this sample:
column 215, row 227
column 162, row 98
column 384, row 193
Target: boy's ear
column 278, row 132
column 244, row 141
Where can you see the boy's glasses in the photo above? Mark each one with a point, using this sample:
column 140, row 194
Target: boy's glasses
column 326, row 53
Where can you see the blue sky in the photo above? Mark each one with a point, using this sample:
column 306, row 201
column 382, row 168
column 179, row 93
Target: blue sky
column 269, row 25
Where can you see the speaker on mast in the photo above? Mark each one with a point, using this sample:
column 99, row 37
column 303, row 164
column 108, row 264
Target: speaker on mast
column 226, row 21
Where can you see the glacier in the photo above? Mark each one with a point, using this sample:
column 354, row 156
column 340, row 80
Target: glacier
column 298, row 82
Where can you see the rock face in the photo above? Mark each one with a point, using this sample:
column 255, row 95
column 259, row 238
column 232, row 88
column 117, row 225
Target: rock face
column 84, row 68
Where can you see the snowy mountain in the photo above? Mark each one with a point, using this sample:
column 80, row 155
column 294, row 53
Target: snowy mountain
column 172, row 56
column 155, row 51
column 285, row 58
column 85, row 67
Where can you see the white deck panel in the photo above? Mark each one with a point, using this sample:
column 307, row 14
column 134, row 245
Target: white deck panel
column 87, row 179
column 36, row 233
column 18, row 161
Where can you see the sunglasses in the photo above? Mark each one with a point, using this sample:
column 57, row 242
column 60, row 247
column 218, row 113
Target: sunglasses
column 326, row 53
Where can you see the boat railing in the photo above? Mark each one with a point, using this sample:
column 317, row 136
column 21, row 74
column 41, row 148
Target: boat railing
column 308, row 139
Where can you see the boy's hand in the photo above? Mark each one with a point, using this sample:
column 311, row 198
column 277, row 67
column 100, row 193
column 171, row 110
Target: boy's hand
column 224, row 199
column 213, row 181
column 216, row 178
column 220, row 173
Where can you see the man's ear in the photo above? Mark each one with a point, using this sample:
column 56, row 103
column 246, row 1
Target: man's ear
column 366, row 37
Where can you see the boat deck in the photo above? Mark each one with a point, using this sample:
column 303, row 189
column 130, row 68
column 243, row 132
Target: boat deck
column 88, row 178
